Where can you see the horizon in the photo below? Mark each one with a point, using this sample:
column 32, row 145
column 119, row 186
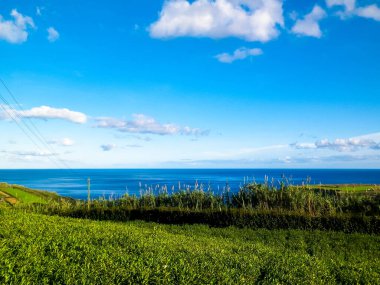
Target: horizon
column 216, row 168
column 179, row 84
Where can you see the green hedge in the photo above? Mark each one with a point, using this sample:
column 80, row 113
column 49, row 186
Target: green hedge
column 233, row 217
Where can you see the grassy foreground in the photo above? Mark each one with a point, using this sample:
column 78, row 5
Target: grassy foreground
column 39, row 249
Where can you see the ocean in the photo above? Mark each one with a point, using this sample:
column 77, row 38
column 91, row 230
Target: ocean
column 116, row 182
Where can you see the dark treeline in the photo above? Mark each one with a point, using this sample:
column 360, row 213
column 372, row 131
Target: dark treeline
column 254, row 206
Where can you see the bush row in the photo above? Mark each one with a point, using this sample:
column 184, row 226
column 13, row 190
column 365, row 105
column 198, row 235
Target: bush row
column 232, row 217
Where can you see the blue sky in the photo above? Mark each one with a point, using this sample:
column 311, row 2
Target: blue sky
column 205, row 83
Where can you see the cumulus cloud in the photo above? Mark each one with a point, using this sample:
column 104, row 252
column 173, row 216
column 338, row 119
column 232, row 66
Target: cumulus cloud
column 143, row 124
column 238, row 54
column 251, row 20
column 341, row 145
column 63, row 142
column 45, row 113
column 107, row 147
column 53, row 34
column 309, row 25
column 370, row 12
column 350, row 9
column 15, row 31
column 349, row 5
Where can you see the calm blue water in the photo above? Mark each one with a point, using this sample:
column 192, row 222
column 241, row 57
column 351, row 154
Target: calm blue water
column 116, row 182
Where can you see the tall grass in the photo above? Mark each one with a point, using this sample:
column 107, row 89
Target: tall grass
column 280, row 197
column 267, row 205
column 283, row 197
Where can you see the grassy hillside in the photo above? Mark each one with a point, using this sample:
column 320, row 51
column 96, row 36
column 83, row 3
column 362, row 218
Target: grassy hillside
column 16, row 194
column 38, row 249
column 348, row 188
column 47, row 249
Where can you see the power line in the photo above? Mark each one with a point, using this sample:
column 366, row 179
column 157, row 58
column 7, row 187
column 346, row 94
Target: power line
column 42, row 139
column 11, row 114
column 37, row 134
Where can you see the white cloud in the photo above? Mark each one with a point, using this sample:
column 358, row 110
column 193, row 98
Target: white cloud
column 309, row 25
column 343, row 145
column 146, row 125
column 370, row 12
column 53, row 34
column 349, row 5
column 251, row 20
column 346, row 144
column 350, row 9
column 240, row 53
column 304, row 145
column 107, row 147
column 15, row 31
column 44, row 113
column 67, row 142
column 63, row 142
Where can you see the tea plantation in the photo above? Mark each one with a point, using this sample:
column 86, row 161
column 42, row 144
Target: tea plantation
column 40, row 249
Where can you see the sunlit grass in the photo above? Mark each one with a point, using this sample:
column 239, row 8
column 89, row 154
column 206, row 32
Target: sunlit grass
column 348, row 187
column 25, row 195
column 22, row 196
column 38, row 249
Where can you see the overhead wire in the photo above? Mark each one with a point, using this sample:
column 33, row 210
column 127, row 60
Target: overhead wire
column 17, row 118
column 39, row 134
column 21, row 108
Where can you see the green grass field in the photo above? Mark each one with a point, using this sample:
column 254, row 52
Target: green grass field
column 348, row 187
column 47, row 249
column 25, row 195
column 38, row 249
